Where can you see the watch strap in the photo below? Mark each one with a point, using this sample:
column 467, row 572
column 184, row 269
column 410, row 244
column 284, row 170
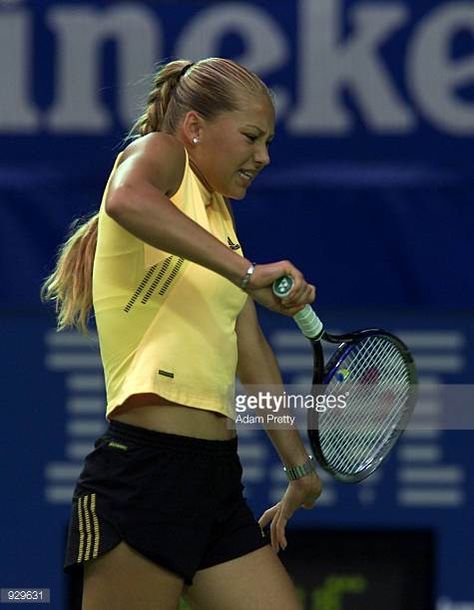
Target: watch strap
column 296, row 472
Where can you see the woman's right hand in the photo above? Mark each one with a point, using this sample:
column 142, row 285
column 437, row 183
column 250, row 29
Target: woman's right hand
column 260, row 288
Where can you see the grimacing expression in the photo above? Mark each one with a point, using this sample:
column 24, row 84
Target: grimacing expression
column 233, row 147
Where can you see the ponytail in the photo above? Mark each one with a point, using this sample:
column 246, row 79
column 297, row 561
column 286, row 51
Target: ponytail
column 70, row 284
column 165, row 82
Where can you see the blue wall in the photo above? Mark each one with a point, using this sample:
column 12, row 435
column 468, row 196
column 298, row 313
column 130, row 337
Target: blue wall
column 369, row 192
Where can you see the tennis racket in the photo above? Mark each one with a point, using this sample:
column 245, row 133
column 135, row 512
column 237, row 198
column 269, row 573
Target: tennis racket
column 373, row 371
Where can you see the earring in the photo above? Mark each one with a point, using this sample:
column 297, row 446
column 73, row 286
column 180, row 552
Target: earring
column 195, row 140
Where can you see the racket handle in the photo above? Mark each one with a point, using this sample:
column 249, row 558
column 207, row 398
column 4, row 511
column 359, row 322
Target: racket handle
column 307, row 320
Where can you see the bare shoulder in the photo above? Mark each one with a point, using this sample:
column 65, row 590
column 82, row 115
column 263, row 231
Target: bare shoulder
column 157, row 158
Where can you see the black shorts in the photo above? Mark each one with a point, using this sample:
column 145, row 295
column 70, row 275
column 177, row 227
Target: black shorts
column 177, row 500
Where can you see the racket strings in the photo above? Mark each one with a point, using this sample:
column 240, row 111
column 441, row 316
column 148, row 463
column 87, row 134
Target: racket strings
column 361, row 429
column 360, row 389
column 369, row 445
column 393, row 378
column 358, row 447
column 361, row 439
column 352, row 439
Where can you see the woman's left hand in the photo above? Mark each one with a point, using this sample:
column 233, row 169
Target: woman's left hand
column 300, row 493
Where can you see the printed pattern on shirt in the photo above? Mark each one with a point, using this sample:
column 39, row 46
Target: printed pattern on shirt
column 160, row 280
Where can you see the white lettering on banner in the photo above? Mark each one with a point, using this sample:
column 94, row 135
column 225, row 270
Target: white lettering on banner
column 448, row 604
column 434, row 76
column 80, row 32
column 265, row 47
column 328, row 64
column 17, row 113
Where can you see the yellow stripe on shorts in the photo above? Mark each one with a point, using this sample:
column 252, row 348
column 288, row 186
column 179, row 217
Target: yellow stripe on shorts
column 89, row 532
column 96, row 528
column 87, row 520
column 81, row 530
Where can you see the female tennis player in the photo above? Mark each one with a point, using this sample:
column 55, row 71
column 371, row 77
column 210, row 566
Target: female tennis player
column 158, row 510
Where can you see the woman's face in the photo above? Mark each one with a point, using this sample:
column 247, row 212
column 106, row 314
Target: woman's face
column 233, row 147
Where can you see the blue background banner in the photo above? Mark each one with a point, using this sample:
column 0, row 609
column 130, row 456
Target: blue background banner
column 369, row 193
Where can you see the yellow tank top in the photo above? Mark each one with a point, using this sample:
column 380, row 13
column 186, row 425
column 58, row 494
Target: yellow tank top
column 166, row 325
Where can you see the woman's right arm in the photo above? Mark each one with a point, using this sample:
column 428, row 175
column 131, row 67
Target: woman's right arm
column 138, row 199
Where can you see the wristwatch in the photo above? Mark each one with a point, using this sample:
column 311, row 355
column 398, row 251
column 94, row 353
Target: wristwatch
column 296, row 472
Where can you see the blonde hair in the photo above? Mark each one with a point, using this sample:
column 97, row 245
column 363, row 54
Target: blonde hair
column 70, row 284
column 210, row 86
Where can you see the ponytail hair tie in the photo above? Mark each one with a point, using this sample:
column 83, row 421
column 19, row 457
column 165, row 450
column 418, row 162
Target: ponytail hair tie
column 185, row 69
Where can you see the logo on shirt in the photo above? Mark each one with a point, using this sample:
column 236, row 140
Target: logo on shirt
column 232, row 246
column 118, row 445
column 166, row 373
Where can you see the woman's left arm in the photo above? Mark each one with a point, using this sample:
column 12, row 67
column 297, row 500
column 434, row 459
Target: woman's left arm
column 257, row 366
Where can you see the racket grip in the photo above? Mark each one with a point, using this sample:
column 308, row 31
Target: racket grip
column 306, row 319
column 309, row 323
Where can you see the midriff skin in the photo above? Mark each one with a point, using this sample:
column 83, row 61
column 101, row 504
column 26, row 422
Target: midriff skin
column 156, row 413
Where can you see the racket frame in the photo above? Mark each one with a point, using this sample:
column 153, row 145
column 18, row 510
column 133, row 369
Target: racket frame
column 322, row 375
column 313, row 329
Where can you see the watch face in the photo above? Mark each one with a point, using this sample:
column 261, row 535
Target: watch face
column 359, row 569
